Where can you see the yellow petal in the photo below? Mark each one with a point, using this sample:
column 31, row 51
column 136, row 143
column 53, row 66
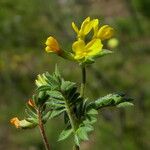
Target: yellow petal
column 79, row 56
column 78, row 46
column 94, row 47
column 52, row 45
column 105, row 32
column 15, row 121
column 75, row 27
column 87, row 19
column 48, row 49
column 95, row 27
column 89, row 26
column 84, row 23
column 95, row 22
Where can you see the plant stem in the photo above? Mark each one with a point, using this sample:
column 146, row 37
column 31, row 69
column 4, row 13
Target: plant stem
column 42, row 131
column 83, row 81
column 75, row 147
column 72, row 121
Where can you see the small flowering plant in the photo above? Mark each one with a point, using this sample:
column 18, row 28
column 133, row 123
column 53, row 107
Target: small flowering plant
column 54, row 96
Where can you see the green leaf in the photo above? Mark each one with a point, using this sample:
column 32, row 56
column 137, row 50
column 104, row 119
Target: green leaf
column 56, row 113
column 30, row 111
column 124, row 104
column 76, row 140
column 65, row 134
column 67, row 85
column 32, row 120
column 92, row 112
column 54, row 105
column 43, row 88
column 103, row 53
column 55, row 94
column 88, row 128
column 57, row 73
column 89, row 60
column 82, row 133
column 42, row 98
column 46, row 116
column 111, row 100
column 52, row 81
column 92, row 119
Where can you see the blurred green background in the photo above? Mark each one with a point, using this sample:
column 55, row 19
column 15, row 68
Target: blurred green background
column 24, row 27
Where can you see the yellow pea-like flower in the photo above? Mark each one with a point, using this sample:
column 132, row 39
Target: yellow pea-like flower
column 52, row 45
column 82, row 50
column 85, row 28
column 86, row 21
column 21, row 123
column 105, row 32
column 15, row 121
column 86, row 48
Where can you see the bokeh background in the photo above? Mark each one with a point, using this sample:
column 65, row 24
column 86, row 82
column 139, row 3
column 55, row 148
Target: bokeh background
column 24, row 27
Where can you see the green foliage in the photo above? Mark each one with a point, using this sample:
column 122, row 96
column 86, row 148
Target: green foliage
column 62, row 98
column 112, row 100
column 91, row 60
column 65, row 134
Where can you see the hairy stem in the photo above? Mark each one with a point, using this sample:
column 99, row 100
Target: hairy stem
column 71, row 117
column 42, row 131
column 83, row 81
column 75, row 147
column 72, row 121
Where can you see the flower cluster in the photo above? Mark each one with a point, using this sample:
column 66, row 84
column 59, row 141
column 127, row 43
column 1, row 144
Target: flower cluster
column 83, row 48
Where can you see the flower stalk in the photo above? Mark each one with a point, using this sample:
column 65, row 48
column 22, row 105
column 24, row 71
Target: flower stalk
column 83, row 82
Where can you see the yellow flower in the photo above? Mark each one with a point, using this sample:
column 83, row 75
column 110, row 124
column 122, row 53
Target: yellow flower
column 87, row 49
column 105, row 32
column 85, row 28
column 21, row 123
column 15, row 121
column 52, row 45
column 83, row 50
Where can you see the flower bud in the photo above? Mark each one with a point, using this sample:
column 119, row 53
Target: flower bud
column 52, row 45
column 31, row 103
column 41, row 80
column 105, row 32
